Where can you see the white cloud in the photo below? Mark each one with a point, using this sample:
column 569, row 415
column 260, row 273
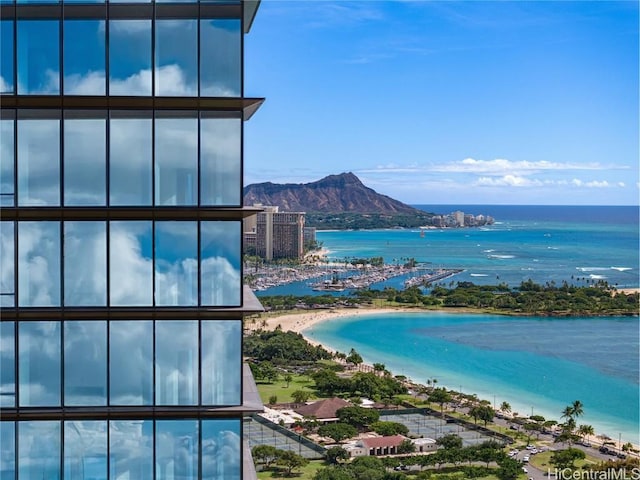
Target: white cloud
column 498, row 167
column 507, row 180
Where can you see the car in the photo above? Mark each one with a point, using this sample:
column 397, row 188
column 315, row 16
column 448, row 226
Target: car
column 529, row 447
column 524, row 469
column 525, row 458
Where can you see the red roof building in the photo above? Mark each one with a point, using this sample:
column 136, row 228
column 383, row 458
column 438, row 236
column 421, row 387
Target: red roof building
column 323, row 410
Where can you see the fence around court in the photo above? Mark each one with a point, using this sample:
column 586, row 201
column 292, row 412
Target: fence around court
column 438, row 425
column 291, row 441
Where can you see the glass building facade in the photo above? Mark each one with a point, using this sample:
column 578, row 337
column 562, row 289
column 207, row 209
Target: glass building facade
column 121, row 296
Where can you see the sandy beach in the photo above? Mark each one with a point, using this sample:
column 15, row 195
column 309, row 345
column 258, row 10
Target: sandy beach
column 297, row 322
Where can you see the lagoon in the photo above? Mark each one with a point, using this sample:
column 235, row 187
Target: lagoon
column 538, row 365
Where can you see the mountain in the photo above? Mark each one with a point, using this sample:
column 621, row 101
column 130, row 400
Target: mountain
column 343, row 193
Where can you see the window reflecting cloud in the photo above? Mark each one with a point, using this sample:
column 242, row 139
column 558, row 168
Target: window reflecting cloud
column 39, row 364
column 84, row 57
column 130, row 161
column 7, row 157
column 6, row 56
column 221, row 450
column 38, row 57
column 39, row 450
column 221, row 362
column 131, row 362
column 176, row 58
column 176, row 162
column 85, row 263
column 7, row 450
column 131, row 450
column 176, row 263
column 7, row 366
column 38, row 162
column 7, row 265
column 220, row 176
column 85, row 161
column 176, row 362
column 130, row 57
column 85, row 363
column 39, row 264
column 220, row 263
column 130, row 264
column 85, row 450
column 220, row 58
column 177, row 450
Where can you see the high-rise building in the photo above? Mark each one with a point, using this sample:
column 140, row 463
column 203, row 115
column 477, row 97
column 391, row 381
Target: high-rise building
column 272, row 234
column 121, row 293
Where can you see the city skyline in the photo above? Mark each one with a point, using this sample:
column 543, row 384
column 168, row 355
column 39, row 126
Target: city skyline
column 449, row 102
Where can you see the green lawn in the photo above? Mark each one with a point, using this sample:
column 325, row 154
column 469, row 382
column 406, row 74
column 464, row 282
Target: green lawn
column 541, row 461
column 279, row 388
column 305, row 473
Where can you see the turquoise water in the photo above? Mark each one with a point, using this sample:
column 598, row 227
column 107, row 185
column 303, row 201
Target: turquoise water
column 543, row 243
column 535, row 364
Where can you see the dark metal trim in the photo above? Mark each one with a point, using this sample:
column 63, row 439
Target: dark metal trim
column 248, row 106
column 126, row 213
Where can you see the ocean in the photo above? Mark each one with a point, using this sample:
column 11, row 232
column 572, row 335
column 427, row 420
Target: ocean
column 537, row 364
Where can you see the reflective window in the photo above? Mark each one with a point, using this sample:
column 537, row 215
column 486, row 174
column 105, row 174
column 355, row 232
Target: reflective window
column 176, row 449
column 7, row 451
column 85, row 263
column 220, row 277
column 221, row 362
column 177, row 362
column 7, row 265
column 130, row 57
column 221, row 450
column 176, row 167
column 7, row 366
column 220, row 163
column 131, row 362
column 85, row 450
column 7, row 158
column 176, row 263
column 39, row 450
column 39, row 264
column 84, row 57
column 131, row 450
column 85, row 363
column 6, row 56
column 85, row 165
column 38, row 162
column 39, row 364
column 38, row 57
column 220, row 58
column 176, row 62
column 130, row 264
column 130, row 161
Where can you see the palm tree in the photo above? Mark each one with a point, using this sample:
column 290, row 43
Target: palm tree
column 577, row 408
column 585, row 431
column 505, row 407
column 567, row 412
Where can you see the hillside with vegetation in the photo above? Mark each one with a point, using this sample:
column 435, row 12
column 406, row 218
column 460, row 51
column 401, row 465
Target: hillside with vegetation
column 337, row 202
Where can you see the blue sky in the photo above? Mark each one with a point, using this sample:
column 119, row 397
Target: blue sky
column 448, row 102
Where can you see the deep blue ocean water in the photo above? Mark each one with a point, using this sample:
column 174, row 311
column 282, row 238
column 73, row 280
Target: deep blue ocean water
column 529, row 362
column 535, row 364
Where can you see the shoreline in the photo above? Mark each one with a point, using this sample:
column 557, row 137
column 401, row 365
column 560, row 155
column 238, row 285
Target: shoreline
column 300, row 321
